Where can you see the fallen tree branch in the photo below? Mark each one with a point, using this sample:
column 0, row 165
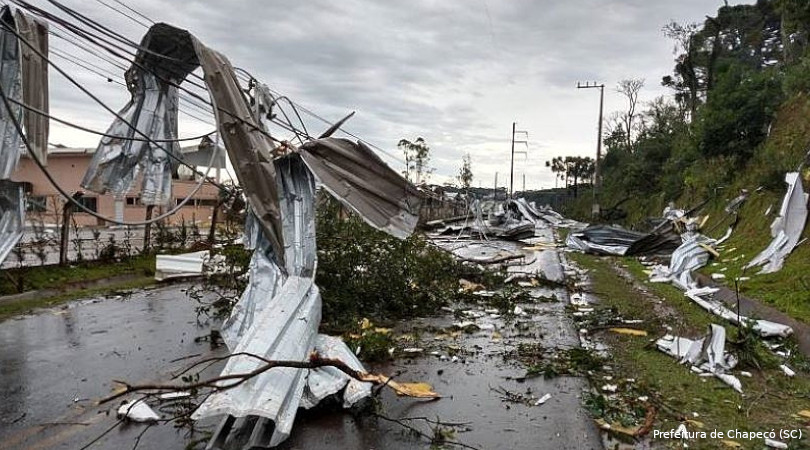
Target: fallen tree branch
column 233, row 380
column 314, row 362
column 421, row 433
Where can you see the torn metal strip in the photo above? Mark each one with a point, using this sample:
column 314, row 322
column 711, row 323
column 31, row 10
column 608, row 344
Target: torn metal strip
column 12, row 216
column 786, row 229
column 249, row 148
column 11, row 79
column 35, row 82
column 119, row 160
column 359, row 179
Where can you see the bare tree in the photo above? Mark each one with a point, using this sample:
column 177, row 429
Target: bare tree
column 630, row 88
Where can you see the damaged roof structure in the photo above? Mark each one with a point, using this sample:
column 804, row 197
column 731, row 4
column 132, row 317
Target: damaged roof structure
column 278, row 314
column 24, row 80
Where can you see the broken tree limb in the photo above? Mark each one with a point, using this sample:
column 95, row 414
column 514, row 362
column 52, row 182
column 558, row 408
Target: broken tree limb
column 417, row 390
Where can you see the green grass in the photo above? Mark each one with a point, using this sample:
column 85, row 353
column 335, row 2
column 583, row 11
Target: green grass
column 56, row 277
column 62, row 284
column 770, row 401
column 787, row 290
column 14, row 308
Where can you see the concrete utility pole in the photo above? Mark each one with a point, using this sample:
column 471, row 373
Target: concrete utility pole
column 512, row 167
column 495, row 190
column 597, row 179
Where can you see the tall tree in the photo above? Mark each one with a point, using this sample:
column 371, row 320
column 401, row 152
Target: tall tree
column 557, row 166
column 685, row 82
column 417, row 160
column 465, row 175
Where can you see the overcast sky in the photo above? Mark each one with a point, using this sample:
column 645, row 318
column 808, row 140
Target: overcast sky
column 457, row 73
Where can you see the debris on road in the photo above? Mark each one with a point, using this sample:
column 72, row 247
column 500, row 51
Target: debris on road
column 137, row 411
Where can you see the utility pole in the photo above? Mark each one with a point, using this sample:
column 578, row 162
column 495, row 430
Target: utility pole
column 67, row 212
column 512, row 167
column 597, row 179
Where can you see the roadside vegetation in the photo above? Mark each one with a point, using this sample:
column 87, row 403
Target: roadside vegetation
column 739, row 118
column 54, row 284
column 771, row 400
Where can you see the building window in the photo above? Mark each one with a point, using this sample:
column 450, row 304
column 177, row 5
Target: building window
column 36, row 204
column 90, row 203
column 133, row 201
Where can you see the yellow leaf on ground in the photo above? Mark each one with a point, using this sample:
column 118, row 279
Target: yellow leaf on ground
column 365, row 324
column 696, row 423
column 618, row 428
column 416, row 390
column 630, row 331
column 382, row 330
column 710, row 250
column 469, row 286
column 730, row 444
column 805, row 413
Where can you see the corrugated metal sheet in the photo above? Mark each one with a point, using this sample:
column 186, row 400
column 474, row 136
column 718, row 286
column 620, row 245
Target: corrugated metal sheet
column 118, row 161
column 12, row 216
column 786, row 229
column 11, row 78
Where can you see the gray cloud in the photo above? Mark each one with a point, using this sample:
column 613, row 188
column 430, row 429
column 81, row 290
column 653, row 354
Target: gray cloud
column 455, row 72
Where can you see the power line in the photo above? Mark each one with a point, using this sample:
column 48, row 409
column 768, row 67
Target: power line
column 123, row 13
column 99, row 133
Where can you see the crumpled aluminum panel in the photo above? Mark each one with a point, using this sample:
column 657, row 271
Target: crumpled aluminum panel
column 362, row 181
column 603, row 240
column 326, row 381
column 118, row 160
column 34, row 81
column 297, row 191
column 284, row 331
column 687, row 258
column 786, row 229
column 12, row 216
column 705, row 355
column 277, row 318
column 11, row 79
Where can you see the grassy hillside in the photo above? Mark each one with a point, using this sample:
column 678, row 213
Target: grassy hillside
column 783, row 150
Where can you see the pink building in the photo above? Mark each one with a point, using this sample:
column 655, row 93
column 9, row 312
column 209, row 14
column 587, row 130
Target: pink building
column 68, row 165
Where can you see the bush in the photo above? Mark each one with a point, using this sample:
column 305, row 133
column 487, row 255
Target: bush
column 363, row 272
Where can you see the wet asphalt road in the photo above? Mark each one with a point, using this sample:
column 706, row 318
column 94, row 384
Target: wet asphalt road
column 55, row 363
